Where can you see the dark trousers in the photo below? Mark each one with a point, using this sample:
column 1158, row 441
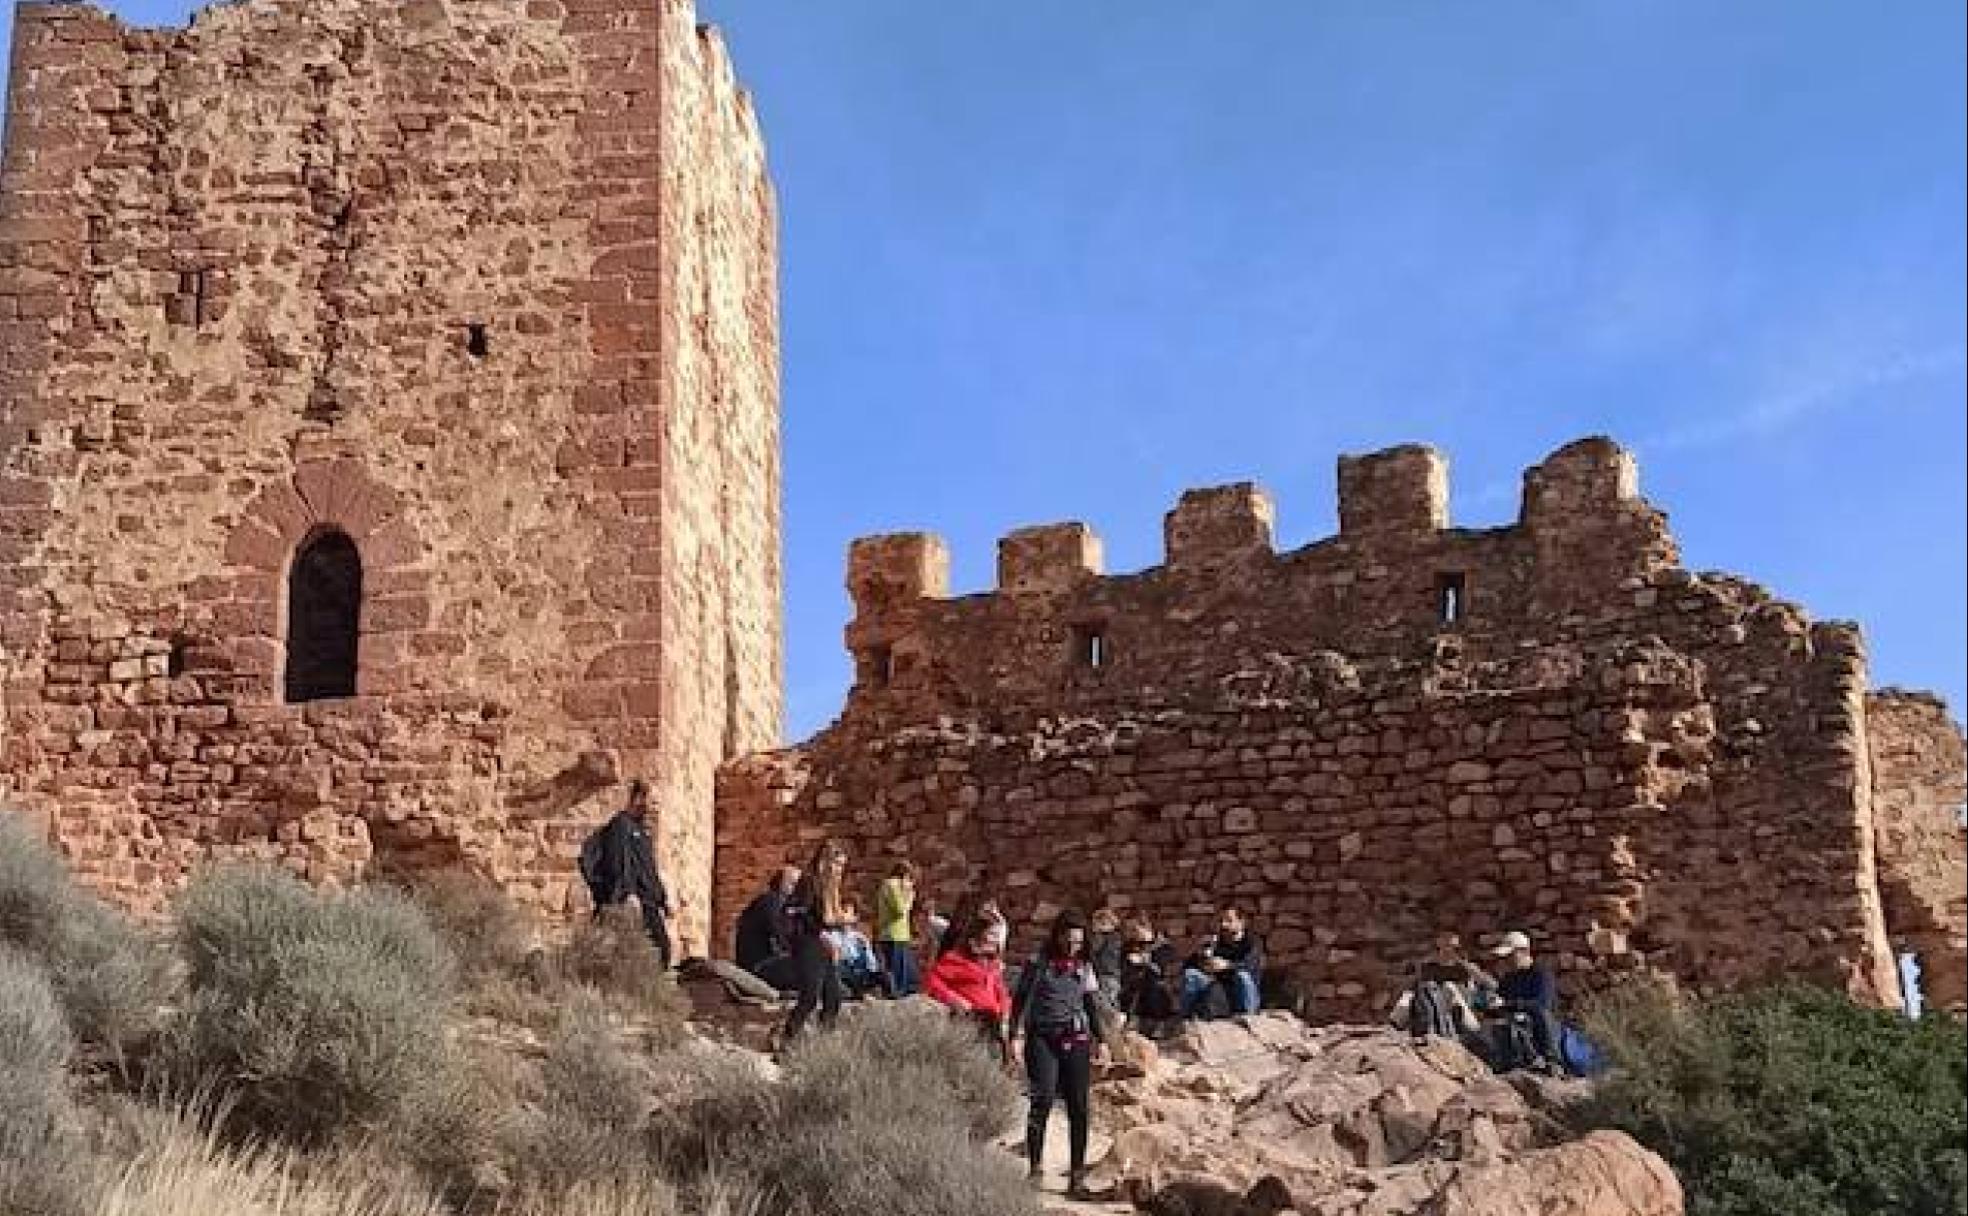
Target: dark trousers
column 819, row 986
column 1062, row 1068
column 899, row 961
column 659, row 933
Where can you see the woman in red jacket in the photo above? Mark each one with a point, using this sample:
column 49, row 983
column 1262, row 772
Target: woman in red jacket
column 969, row 981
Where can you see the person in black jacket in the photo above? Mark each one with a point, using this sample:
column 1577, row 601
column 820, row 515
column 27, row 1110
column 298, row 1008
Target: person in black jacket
column 1151, row 974
column 761, row 946
column 628, row 866
column 1233, row 960
column 1055, row 1012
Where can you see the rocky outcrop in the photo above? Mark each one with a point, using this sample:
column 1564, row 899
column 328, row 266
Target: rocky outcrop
column 1359, row 1121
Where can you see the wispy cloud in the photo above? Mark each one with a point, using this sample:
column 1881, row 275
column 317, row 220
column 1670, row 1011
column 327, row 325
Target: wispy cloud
column 1817, row 391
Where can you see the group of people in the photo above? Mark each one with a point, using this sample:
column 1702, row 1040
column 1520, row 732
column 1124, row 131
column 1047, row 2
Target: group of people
column 1510, row 1019
column 803, row 935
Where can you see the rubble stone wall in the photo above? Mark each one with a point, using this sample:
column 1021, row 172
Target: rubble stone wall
column 1920, row 776
column 1405, row 728
column 427, row 273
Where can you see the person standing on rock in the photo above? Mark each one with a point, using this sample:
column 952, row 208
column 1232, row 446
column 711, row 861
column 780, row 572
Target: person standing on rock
column 895, row 933
column 1233, row 960
column 815, row 909
column 1055, row 1014
column 619, row 862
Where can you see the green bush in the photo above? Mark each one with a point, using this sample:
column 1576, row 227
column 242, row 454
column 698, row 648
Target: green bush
column 113, row 982
column 1790, row 1101
column 310, row 1013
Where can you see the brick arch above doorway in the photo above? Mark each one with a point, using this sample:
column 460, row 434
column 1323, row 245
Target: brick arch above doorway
column 339, row 495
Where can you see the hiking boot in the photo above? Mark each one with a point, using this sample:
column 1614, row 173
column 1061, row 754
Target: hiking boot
column 1077, row 1188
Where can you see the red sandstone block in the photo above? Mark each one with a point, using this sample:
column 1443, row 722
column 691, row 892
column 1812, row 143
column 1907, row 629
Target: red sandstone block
column 253, row 546
column 592, row 702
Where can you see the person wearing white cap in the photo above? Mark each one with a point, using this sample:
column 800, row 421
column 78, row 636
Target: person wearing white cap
column 1526, row 987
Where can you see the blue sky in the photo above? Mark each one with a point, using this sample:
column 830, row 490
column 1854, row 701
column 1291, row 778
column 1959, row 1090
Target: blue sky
column 1050, row 261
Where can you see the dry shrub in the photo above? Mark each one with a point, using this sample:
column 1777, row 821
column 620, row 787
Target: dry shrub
column 908, row 1062
column 183, row 1169
column 311, row 1013
column 875, row 1163
column 34, row 1050
column 112, row 980
column 508, row 976
column 40, row 1174
column 588, row 1123
column 490, row 936
column 611, row 954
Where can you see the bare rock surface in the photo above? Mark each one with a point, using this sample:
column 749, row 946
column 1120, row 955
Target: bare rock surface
column 1355, row 1121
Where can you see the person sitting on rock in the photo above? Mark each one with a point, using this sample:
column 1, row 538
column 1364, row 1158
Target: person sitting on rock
column 1232, row 963
column 1437, row 1000
column 968, row 980
column 1104, row 948
column 1525, row 995
column 1149, row 975
column 861, row 970
column 761, row 946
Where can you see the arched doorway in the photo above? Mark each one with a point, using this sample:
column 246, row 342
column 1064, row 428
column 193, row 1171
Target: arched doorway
column 324, row 617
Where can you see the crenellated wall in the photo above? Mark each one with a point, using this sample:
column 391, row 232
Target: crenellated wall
column 1402, row 728
column 487, row 286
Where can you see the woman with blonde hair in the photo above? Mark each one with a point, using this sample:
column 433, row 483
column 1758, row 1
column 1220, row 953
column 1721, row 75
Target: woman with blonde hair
column 815, row 909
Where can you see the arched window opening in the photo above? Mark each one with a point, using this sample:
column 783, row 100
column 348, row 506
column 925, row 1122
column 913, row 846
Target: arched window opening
column 324, row 616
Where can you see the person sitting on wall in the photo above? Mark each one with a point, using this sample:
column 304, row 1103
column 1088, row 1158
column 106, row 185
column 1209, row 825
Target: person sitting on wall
column 1437, row 1001
column 1230, row 963
column 1523, row 1007
column 861, row 970
column 1150, row 975
column 761, row 946
column 618, row 863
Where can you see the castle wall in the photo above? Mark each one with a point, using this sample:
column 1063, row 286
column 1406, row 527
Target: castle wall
column 240, row 267
column 1407, row 727
column 1920, row 783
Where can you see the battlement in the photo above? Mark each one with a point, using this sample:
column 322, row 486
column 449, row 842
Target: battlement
column 1393, row 505
column 1399, row 490
column 1049, row 557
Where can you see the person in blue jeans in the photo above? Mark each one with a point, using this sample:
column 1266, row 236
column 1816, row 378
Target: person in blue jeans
column 1232, row 960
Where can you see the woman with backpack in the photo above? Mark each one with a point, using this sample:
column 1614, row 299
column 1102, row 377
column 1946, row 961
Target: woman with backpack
column 813, row 910
column 1056, row 1012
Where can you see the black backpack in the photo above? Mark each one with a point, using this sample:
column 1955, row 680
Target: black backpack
column 595, row 868
column 1431, row 1011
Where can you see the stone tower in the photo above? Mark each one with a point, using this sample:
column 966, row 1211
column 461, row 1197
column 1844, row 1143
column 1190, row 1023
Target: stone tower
column 389, row 441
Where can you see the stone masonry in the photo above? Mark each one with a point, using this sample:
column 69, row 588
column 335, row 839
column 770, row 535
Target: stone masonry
column 1405, row 728
column 1920, row 786
column 485, row 290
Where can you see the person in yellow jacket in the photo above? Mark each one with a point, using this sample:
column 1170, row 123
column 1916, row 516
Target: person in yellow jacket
column 895, row 934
